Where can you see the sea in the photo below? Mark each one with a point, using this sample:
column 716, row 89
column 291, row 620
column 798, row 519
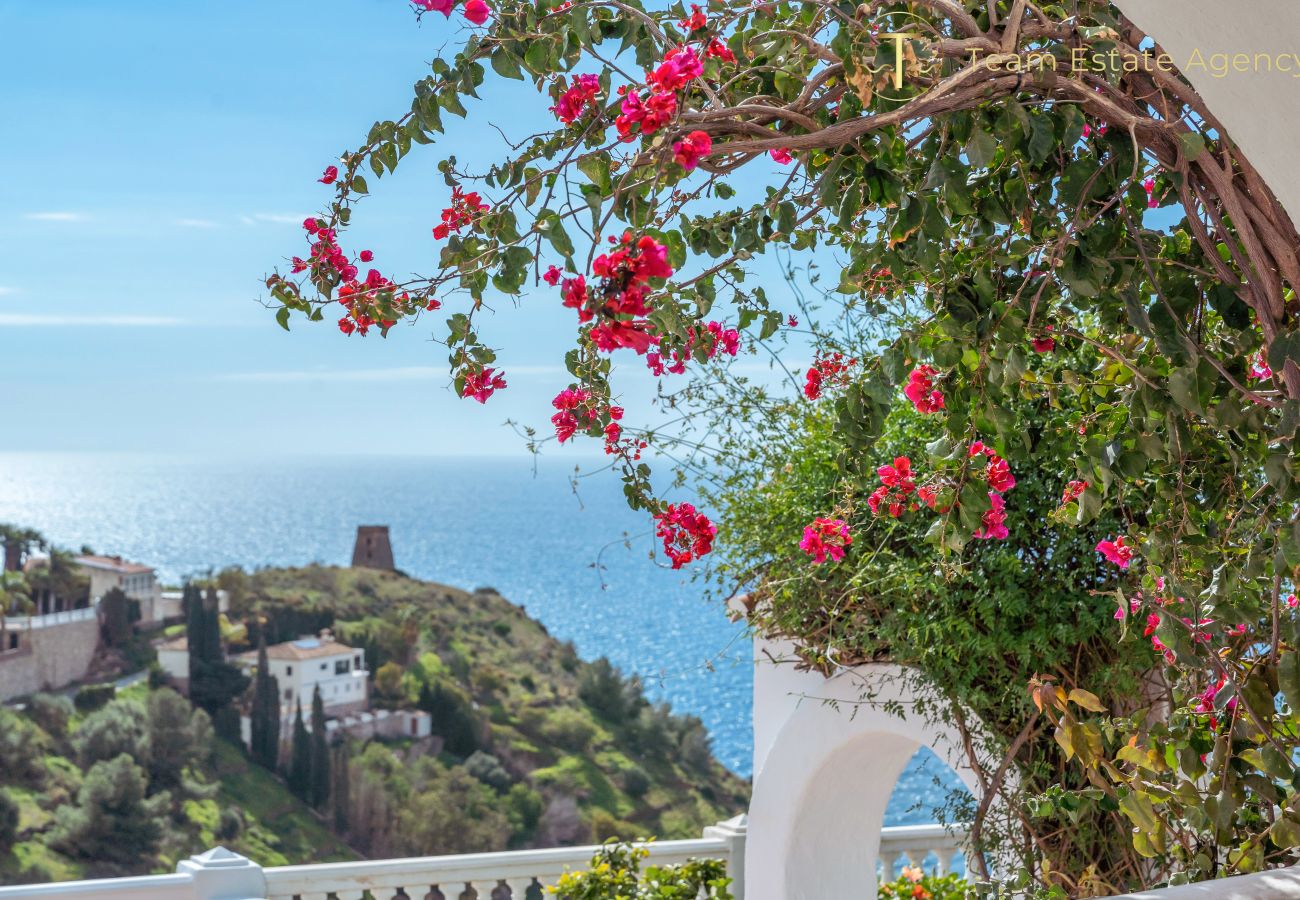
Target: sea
column 551, row 536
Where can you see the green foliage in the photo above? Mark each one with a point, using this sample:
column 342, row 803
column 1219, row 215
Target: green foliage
column 319, row 783
column 568, row 729
column 115, row 610
column 914, row 884
column 113, row 825
column 453, row 718
column 264, row 716
column 300, row 758
column 488, row 769
column 180, row 740
column 93, row 697
column 8, row 822
column 616, row 873
column 51, row 713
column 22, row 745
column 120, row 728
column 608, row 693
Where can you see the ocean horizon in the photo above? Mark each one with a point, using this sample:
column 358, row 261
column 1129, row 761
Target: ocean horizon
column 576, row 558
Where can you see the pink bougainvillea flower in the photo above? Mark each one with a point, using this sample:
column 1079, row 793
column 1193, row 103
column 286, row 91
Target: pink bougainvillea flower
column 897, row 484
column 1259, row 367
column 1073, row 491
column 477, row 11
column 781, row 155
column 993, row 523
column 691, row 149
column 680, row 67
column 577, row 98
column 1044, row 344
column 825, row 539
column 921, row 391
column 719, row 50
column 552, row 276
column 366, row 255
column 1291, row 601
column 998, row 475
column 791, row 322
column 569, row 401
column 1150, row 187
column 687, row 535
column 826, row 370
column 331, row 175
column 482, row 385
column 725, row 339
column 443, row 6
column 695, row 21
column 1116, row 551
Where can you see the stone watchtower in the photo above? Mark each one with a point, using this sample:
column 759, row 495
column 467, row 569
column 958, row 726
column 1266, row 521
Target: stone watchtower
column 373, row 549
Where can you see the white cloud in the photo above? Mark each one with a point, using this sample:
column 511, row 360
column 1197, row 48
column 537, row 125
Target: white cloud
column 56, row 216
column 197, row 223
column 37, row 320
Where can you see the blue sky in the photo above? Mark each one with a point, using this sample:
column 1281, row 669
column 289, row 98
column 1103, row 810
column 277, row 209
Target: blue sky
column 159, row 158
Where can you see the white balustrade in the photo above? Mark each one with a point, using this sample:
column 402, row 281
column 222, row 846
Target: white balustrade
column 916, row 844
column 63, row 617
column 220, row 874
column 482, row 873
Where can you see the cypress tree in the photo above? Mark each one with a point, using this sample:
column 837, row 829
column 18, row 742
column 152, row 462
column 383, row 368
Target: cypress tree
column 300, row 763
column 211, row 635
column 341, row 791
column 265, row 714
column 320, row 753
column 192, row 602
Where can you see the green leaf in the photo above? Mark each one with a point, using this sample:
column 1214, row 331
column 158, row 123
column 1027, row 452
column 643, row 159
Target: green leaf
column 506, row 64
column 981, row 148
column 282, row 317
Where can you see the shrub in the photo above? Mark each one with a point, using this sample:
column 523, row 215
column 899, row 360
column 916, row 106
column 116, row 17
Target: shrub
column 488, row 769
column 636, row 783
column 913, row 884
column 568, row 729
column 610, row 696
column 51, row 713
column 388, row 681
column 120, row 728
column 93, row 697
column 112, row 825
column 22, row 746
column 616, row 872
column 8, row 822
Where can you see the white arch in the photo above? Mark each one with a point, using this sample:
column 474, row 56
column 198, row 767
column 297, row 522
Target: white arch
column 825, row 766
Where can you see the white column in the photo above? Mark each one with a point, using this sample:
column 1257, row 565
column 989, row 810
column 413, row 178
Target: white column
column 222, row 874
column 733, row 831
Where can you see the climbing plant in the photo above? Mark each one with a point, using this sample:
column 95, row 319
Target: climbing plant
column 1062, row 299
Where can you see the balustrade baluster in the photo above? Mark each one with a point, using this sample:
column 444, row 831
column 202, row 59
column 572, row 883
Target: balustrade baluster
column 519, row 887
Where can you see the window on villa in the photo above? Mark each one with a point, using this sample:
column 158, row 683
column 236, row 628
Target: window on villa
column 358, row 660
column 342, row 667
column 288, row 670
column 288, row 695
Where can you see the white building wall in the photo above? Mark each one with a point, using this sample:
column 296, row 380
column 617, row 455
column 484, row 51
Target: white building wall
column 299, row 678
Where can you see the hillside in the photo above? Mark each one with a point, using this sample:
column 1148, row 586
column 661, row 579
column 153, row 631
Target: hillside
column 534, row 747
column 134, row 786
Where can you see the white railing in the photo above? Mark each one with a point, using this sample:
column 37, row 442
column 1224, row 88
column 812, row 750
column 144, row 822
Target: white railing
column 222, row 875
column 16, row 623
column 934, row 848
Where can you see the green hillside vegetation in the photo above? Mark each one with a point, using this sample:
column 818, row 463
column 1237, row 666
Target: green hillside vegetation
column 534, row 747
column 132, row 784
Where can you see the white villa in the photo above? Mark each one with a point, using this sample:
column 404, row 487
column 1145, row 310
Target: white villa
column 302, row 666
column 136, row 580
